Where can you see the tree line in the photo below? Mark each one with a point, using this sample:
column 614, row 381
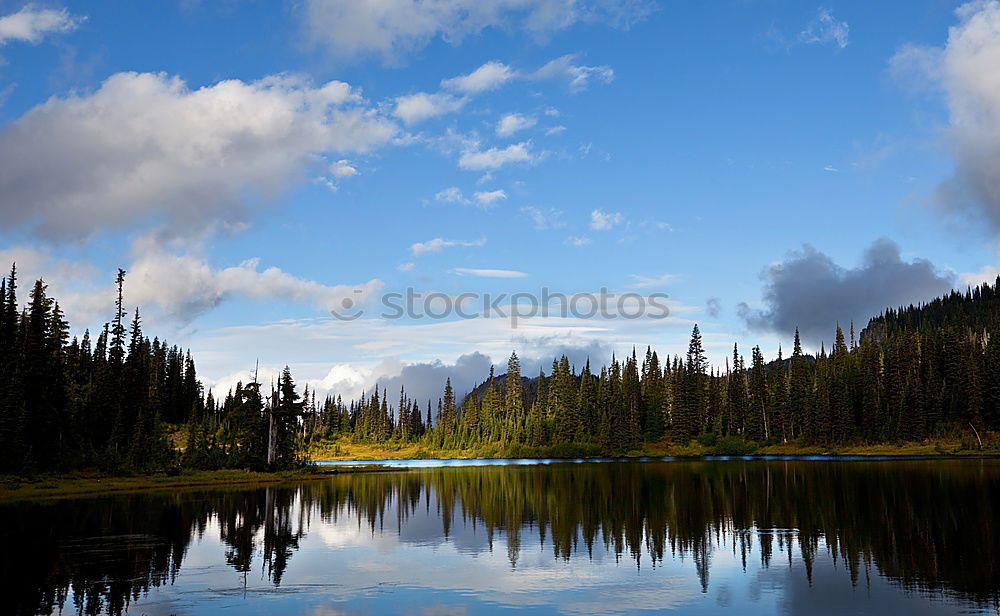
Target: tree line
column 914, row 373
column 124, row 401
column 118, row 402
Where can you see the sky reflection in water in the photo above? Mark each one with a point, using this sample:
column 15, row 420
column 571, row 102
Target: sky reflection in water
column 717, row 537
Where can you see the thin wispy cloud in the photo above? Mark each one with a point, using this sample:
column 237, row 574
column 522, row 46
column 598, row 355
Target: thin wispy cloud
column 438, row 244
column 825, row 29
column 31, row 24
column 488, row 273
column 489, row 198
column 550, row 218
column 605, row 221
column 646, row 282
column 494, row 158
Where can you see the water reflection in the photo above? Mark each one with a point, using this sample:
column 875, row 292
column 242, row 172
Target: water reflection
column 705, row 537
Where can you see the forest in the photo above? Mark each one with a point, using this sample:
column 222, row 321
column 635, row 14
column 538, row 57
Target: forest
column 124, row 402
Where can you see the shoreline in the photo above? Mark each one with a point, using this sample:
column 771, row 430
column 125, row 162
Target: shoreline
column 346, row 451
column 83, row 484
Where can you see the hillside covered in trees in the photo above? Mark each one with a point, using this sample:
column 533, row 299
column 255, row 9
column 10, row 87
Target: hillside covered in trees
column 126, row 402
column 914, row 373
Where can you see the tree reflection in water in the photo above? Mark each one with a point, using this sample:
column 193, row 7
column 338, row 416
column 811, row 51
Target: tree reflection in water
column 928, row 527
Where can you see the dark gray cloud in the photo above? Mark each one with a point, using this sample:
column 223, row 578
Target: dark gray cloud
column 809, row 291
column 965, row 70
column 538, row 353
column 425, row 381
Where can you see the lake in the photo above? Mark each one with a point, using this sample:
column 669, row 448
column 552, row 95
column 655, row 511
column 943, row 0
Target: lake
column 694, row 537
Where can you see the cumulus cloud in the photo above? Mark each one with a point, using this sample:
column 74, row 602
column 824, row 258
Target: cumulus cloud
column 809, row 291
column 513, row 123
column 550, row 218
column 967, row 69
column 414, row 108
column 438, row 244
column 183, row 287
column 174, row 288
column 389, row 29
column 147, row 147
column 605, row 221
column 31, row 24
column 488, row 273
column 494, row 158
column 825, row 29
column 489, row 76
column 577, row 241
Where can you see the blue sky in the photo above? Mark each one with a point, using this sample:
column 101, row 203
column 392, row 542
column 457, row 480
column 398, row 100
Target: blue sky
column 767, row 164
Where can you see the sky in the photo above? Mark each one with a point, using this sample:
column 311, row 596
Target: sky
column 767, row 165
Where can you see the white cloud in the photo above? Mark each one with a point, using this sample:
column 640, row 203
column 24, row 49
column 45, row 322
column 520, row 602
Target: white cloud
column 146, row 147
column 414, row 108
column 555, row 130
column 392, row 27
column 831, row 169
column 577, row 240
column 343, row 169
column 494, row 158
column 174, row 287
column 488, row 273
column 605, row 221
column 578, row 76
column 31, row 24
column 482, row 199
column 825, row 29
column 514, row 122
column 645, row 282
column 406, row 267
column 451, row 195
column 438, row 244
column 544, row 219
column 184, row 287
column 986, row 273
column 487, row 199
column 489, row 76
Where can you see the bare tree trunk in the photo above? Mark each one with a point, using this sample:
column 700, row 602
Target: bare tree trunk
column 272, row 438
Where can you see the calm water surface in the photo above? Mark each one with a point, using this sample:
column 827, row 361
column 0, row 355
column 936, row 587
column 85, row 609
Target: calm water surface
column 710, row 537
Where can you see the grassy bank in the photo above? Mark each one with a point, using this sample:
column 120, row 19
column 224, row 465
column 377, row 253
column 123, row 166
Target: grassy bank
column 345, row 449
column 83, row 484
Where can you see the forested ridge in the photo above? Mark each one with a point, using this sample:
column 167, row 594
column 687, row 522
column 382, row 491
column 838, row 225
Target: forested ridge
column 123, row 401
column 914, row 373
